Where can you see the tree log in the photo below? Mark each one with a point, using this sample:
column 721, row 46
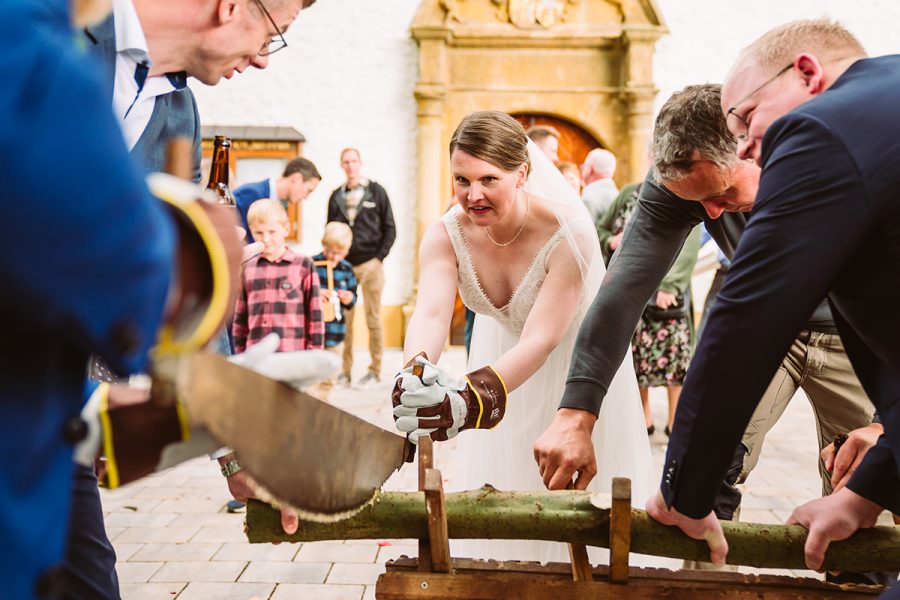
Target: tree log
column 569, row 516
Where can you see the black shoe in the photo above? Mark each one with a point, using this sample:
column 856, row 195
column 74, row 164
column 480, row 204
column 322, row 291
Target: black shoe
column 651, row 429
column 668, row 431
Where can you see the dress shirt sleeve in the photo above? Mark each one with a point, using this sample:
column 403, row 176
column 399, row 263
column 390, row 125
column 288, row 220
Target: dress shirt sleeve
column 650, row 244
column 89, row 254
column 810, row 213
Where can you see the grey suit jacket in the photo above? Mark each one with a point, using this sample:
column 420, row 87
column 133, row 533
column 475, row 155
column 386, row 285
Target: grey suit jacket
column 174, row 114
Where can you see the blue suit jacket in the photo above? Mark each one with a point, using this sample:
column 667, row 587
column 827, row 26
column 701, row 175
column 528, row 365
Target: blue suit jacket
column 174, row 114
column 246, row 195
column 826, row 221
column 85, row 266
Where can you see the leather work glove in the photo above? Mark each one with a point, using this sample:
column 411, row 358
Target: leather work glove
column 437, row 405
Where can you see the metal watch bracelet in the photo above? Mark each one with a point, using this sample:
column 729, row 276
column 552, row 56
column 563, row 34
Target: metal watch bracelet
column 231, row 467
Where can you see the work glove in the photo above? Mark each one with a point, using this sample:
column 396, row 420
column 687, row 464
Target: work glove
column 439, row 406
column 129, row 427
column 298, row 369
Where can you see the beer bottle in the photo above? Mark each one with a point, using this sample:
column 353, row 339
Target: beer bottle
column 218, row 172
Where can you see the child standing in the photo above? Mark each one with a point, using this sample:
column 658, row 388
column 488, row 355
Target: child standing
column 279, row 289
column 338, row 285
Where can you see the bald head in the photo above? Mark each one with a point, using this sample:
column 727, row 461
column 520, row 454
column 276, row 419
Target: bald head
column 599, row 164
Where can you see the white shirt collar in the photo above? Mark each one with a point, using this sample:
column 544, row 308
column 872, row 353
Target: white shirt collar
column 129, row 33
column 273, row 189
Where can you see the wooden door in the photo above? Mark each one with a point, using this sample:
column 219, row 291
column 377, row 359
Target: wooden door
column 574, row 142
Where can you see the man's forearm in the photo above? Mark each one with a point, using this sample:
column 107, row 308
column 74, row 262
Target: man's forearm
column 648, row 249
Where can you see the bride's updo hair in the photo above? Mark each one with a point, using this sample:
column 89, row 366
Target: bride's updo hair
column 494, row 137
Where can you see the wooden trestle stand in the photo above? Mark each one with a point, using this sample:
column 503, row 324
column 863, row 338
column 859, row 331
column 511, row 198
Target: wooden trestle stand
column 434, row 575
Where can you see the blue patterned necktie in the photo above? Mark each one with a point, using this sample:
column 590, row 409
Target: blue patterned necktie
column 140, row 76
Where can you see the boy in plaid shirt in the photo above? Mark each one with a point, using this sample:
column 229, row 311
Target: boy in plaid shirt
column 279, row 289
column 340, row 292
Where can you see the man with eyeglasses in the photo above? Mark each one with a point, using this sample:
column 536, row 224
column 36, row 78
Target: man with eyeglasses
column 696, row 177
column 148, row 49
column 826, row 221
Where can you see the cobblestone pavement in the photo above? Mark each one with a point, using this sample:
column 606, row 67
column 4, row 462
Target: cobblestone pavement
column 174, row 538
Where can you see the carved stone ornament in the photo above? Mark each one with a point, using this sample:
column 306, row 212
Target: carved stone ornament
column 528, row 14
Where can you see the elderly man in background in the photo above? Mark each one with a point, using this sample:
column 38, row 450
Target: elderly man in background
column 599, row 188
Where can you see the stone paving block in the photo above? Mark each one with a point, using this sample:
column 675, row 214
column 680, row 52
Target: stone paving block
column 350, row 553
column 257, row 552
column 370, row 593
column 219, row 519
column 214, row 482
column 188, row 506
column 162, row 492
column 138, row 519
column 303, row 591
column 179, row 552
column 386, row 553
column 137, row 572
column 165, row 535
column 286, row 572
column 120, row 493
column 233, row 533
column 355, row 573
column 172, row 478
column 113, row 532
column 216, row 571
column 226, row 591
column 131, row 504
column 150, row 591
column 124, row 550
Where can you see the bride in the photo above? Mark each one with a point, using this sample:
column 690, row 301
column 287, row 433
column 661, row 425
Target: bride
column 522, row 251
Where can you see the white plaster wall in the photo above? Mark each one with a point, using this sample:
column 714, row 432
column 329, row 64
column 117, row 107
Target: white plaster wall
column 347, row 79
column 705, row 36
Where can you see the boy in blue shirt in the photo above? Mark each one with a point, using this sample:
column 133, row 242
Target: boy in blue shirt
column 338, row 286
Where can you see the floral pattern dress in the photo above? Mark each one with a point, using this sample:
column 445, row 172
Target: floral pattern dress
column 661, row 348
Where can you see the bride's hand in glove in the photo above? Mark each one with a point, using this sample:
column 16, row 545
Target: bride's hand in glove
column 566, row 449
column 437, row 405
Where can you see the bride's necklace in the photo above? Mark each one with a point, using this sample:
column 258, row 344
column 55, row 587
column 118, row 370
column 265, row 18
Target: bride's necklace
column 521, row 228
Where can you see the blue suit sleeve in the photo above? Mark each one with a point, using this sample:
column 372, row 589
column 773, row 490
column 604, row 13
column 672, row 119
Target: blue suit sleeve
column 87, row 251
column 810, row 214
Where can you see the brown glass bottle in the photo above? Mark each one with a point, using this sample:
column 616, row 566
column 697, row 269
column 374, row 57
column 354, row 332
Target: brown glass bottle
column 218, row 172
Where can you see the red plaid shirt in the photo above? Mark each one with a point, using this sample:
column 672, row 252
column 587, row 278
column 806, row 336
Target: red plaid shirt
column 281, row 297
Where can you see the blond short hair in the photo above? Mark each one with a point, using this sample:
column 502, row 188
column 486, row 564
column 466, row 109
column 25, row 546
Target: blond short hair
column 826, row 39
column 266, row 210
column 337, row 235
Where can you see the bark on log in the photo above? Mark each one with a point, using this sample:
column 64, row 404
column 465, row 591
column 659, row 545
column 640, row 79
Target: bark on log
column 569, row 516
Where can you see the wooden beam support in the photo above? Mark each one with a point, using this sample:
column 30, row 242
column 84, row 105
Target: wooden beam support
column 620, row 530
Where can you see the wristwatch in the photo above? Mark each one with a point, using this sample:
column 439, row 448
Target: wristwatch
column 231, row 467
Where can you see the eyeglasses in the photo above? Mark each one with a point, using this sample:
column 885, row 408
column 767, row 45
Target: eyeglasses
column 743, row 127
column 276, row 42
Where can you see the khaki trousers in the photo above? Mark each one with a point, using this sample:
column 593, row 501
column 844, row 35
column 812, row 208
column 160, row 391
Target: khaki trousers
column 370, row 276
column 816, row 363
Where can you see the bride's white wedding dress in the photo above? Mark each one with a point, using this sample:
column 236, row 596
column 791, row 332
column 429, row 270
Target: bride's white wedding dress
column 503, row 456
